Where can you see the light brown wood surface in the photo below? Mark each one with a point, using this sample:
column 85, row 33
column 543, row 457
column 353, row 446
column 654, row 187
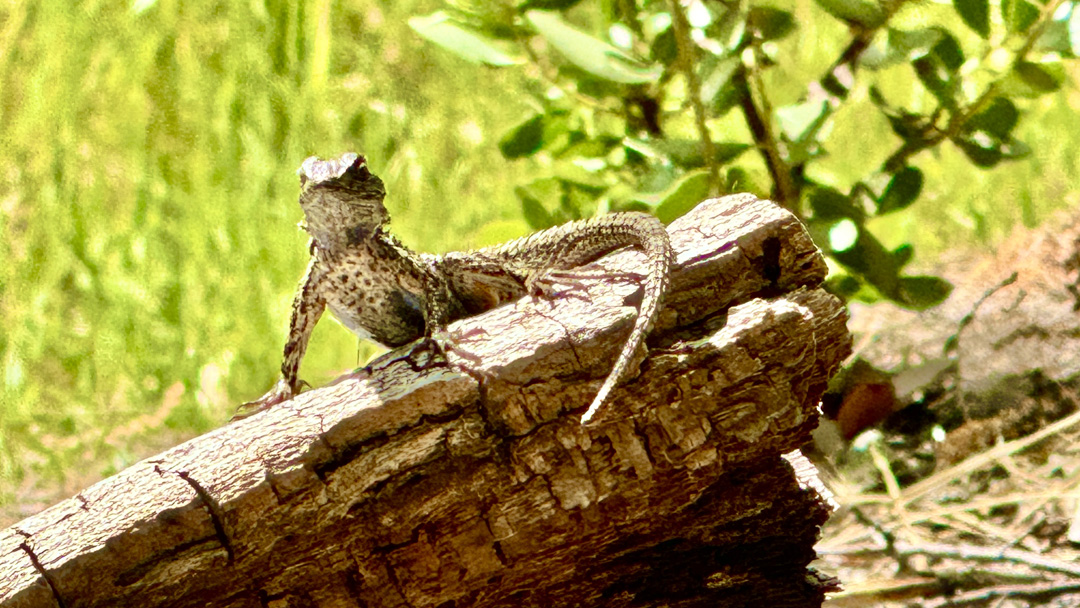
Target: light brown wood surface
column 473, row 483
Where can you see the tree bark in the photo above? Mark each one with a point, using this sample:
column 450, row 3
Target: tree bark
column 471, row 483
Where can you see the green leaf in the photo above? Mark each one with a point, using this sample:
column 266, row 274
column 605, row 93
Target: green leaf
column 575, row 174
column 976, row 14
column 1033, row 80
column 664, row 49
column 1055, row 37
column 549, row 5
column 843, row 285
column 439, row 28
column 984, row 152
column 902, row 254
column 1018, row 15
column 987, row 136
column 869, row 258
column 862, row 12
column 829, row 204
column 802, row 121
column 1041, row 77
column 937, row 69
column 534, row 211
column 717, row 89
column 591, row 54
column 903, row 189
column 524, row 139
column 687, row 153
column 913, row 43
column 680, row 197
column 948, row 51
column 998, row 118
column 770, row 23
column 922, row 292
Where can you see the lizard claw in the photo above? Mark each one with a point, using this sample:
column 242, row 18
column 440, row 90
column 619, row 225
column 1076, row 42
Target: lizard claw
column 280, row 393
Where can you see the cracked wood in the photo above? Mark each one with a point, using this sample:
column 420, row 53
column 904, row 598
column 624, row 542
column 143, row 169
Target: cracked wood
column 472, row 484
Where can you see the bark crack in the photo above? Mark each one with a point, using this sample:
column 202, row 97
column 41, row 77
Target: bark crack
column 25, row 546
column 217, row 516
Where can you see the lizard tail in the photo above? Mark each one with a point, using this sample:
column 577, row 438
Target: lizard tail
column 652, row 238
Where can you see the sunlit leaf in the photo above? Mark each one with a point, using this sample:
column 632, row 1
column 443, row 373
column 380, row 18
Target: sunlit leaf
column 913, row 43
column 679, row 197
column 1018, row 15
column 801, row 121
column 717, row 89
column 574, row 173
column 1056, row 37
column 591, row 54
column 439, row 28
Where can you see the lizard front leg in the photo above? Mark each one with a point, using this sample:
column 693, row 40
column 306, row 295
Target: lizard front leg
column 308, row 306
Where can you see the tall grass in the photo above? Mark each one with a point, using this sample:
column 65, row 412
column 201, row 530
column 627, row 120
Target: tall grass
column 147, row 202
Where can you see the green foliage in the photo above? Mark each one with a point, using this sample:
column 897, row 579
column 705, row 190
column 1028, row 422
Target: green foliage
column 147, row 204
column 147, row 200
column 633, row 94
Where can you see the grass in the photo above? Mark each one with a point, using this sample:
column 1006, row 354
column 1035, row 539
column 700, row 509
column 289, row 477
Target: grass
column 148, row 216
column 147, row 205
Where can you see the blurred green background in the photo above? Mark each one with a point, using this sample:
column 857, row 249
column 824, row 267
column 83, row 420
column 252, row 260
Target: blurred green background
column 148, row 205
column 148, row 215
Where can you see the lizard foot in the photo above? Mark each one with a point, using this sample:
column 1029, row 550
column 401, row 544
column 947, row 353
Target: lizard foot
column 436, row 346
column 426, row 345
column 282, row 391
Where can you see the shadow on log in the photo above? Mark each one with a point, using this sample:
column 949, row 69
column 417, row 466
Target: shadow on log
column 473, row 483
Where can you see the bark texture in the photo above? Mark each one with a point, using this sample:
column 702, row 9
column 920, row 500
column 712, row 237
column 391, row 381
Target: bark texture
column 473, row 483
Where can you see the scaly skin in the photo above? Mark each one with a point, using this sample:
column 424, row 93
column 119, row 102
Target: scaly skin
column 384, row 292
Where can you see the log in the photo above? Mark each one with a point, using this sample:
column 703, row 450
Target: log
column 471, row 482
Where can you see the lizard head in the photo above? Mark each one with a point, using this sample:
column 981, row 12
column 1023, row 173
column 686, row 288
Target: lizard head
column 342, row 199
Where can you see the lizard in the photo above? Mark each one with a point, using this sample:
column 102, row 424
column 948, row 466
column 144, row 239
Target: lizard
column 387, row 293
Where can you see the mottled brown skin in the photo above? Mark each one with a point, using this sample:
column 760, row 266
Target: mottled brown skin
column 387, row 293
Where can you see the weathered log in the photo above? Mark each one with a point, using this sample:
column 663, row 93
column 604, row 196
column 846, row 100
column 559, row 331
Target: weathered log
column 472, row 483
